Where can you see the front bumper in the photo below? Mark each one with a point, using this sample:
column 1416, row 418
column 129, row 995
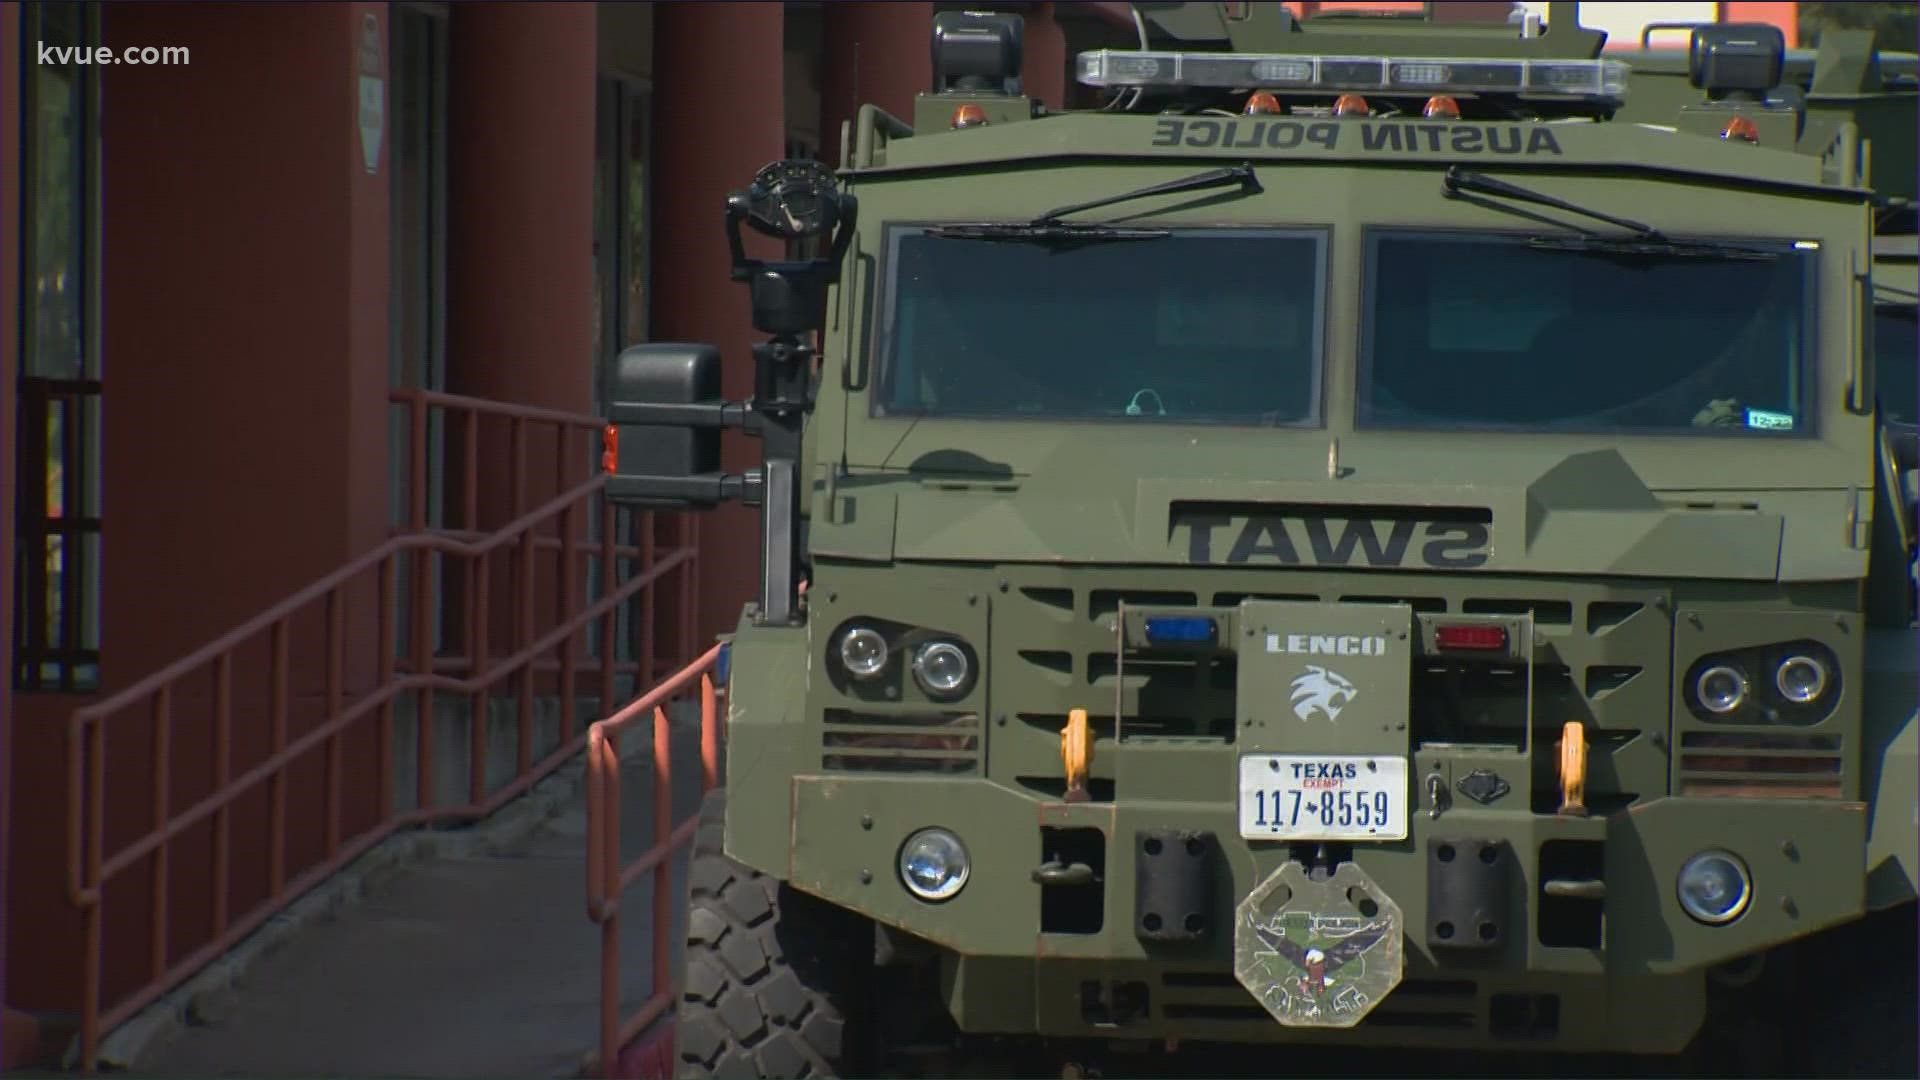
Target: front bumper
column 1620, row 971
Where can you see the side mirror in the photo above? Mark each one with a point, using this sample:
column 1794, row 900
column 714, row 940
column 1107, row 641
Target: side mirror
column 665, row 412
column 663, row 443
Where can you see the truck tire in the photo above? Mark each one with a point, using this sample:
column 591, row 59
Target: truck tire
column 768, row 987
column 1755, row 1024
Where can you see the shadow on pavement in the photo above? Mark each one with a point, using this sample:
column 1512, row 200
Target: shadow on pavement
column 477, row 966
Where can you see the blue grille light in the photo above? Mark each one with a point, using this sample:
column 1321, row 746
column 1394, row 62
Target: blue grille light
column 1181, row 630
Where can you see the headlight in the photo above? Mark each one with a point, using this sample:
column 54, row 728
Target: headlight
column 941, row 668
column 863, row 652
column 1714, row 888
column 1721, row 689
column 933, row 865
column 1800, row 679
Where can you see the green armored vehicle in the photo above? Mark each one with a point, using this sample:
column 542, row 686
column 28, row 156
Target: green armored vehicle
column 1350, row 543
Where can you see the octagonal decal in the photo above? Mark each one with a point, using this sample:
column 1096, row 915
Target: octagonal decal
column 1318, row 953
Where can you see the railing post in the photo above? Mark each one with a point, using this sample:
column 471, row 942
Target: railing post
column 662, row 839
column 388, row 646
column 647, row 647
column 609, row 623
column 690, row 584
column 222, row 776
column 417, row 465
column 277, row 815
column 517, row 452
column 423, row 670
column 480, row 702
column 607, row 764
column 336, row 695
column 529, row 670
column 569, row 599
column 162, row 756
column 563, row 600
column 470, row 469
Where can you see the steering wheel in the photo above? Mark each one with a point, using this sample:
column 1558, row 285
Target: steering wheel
column 1699, row 386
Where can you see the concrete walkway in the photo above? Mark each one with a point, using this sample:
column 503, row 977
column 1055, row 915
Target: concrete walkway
column 482, row 964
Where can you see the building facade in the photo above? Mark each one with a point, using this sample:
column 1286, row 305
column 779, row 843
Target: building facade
column 292, row 283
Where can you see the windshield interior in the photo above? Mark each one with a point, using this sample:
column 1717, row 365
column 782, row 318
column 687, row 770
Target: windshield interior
column 1896, row 375
column 1489, row 332
column 1199, row 326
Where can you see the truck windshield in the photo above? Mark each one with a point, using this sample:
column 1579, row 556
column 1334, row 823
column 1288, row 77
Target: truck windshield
column 1488, row 332
column 1896, row 375
column 1198, row 326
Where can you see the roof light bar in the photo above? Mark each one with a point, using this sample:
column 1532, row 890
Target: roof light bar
column 1586, row 80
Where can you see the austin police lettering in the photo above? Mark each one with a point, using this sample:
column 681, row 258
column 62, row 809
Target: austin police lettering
column 1206, row 133
column 1447, row 545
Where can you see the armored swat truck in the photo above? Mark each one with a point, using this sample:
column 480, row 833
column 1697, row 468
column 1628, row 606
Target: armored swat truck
column 1350, row 542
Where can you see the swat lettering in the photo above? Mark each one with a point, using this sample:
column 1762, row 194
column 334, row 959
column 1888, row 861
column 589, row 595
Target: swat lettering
column 1399, row 136
column 1448, row 545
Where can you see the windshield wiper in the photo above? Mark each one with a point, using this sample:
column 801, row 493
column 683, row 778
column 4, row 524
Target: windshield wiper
column 1646, row 240
column 1652, row 247
column 1241, row 174
column 1045, row 232
column 1049, row 228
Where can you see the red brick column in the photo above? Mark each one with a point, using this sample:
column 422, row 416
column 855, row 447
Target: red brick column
column 717, row 120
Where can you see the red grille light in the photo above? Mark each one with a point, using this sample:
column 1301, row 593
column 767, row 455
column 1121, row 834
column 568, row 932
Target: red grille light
column 1477, row 638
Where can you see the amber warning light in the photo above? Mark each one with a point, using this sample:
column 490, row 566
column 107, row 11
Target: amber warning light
column 1742, row 129
column 968, row 116
column 1476, row 638
column 1263, row 103
column 609, row 449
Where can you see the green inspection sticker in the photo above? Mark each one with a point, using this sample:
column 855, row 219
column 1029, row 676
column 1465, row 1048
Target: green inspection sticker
column 1763, row 420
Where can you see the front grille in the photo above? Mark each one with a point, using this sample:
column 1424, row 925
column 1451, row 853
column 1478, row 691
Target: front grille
column 1763, row 764
column 907, row 742
column 1604, row 657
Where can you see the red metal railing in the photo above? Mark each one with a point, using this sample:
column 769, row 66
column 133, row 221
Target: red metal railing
column 607, row 879
column 357, row 687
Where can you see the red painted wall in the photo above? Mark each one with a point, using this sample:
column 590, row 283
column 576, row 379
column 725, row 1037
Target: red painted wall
column 520, row 250
column 876, row 54
column 244, row 285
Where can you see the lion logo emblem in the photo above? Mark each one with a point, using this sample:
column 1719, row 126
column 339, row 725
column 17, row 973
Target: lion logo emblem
column 1318, row 690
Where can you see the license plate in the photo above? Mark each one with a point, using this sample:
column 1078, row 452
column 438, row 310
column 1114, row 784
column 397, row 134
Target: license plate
column 1323, row 797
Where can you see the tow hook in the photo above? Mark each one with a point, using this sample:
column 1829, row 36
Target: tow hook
column 1056, row 874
